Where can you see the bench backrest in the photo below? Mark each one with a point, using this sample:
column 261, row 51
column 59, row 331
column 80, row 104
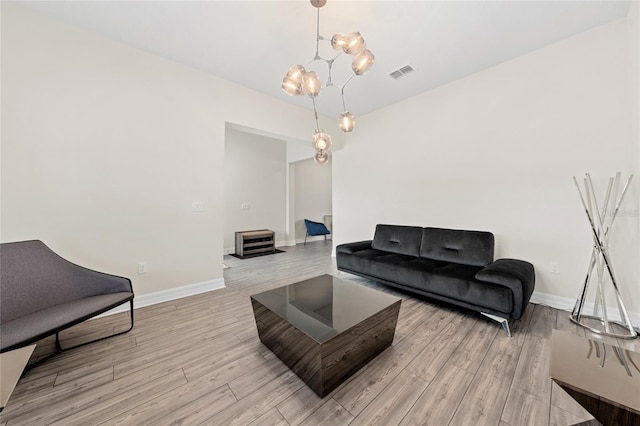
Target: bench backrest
column 33, row 278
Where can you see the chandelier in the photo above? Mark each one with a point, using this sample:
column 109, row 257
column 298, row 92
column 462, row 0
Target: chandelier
column 299, row 81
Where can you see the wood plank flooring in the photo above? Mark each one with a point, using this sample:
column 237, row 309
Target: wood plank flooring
column 198, row 360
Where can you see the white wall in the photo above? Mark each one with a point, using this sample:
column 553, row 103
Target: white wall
column 312, row 195
column 634, row 52
column 255, row 177
column 497, row 150
column 297, row 151
column 105, row 147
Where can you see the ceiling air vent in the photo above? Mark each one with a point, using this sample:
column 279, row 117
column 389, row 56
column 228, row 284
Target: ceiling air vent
column 401, row 72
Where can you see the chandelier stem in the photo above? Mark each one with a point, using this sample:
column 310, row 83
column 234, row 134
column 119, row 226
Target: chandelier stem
column 347, row 82
column 344, row 107
column 317, row 32
column 315, row 113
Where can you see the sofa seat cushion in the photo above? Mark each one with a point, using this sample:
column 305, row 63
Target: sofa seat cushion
column 35, row 326
column 458, row 282
column 377, row 263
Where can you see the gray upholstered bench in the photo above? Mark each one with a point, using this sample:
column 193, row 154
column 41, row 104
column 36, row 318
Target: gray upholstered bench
column 43, row 294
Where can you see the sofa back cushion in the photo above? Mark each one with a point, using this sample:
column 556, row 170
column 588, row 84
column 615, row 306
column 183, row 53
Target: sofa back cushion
column 458, row 246
column 398, row 239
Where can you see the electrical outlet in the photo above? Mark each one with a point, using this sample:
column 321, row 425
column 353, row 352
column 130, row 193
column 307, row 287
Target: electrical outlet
column 245, row 206
column 197, row 206
column 142, row 267
column 554, row 268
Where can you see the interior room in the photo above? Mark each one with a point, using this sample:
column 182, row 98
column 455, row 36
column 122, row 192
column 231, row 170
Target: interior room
column 144, row 139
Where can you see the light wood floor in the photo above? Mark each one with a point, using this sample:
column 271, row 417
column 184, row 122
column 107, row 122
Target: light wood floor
column 198, row 360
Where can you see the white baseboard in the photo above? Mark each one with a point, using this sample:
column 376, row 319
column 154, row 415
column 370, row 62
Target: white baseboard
column 566, row 304
column 168, row 295
column 557, row 302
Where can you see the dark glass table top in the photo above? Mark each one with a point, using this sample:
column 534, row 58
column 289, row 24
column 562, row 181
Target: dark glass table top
column 325, row 306
column 596, row 368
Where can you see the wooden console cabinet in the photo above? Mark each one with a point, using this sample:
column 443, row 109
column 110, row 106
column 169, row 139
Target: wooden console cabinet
column 252, row 242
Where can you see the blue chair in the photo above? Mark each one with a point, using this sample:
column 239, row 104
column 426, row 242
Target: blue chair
column 315, row 228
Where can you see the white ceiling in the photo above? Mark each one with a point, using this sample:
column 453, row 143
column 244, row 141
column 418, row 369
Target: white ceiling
column 254, row 43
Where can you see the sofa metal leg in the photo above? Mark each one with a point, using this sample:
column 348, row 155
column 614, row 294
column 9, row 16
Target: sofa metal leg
column 503, row 321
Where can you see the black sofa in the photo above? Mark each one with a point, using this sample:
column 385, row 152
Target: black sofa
column 453, row 266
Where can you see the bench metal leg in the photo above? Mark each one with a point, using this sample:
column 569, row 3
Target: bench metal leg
column 503, row 321
column 60, row 349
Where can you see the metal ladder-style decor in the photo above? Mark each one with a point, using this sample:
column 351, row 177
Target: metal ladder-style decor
column 601, row 219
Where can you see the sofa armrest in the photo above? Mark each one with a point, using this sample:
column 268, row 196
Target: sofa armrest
column 350, row 248
column 515, row 274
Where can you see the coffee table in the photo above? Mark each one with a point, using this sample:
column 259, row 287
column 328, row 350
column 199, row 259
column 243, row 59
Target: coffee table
column 325, row 329
column 603, row 378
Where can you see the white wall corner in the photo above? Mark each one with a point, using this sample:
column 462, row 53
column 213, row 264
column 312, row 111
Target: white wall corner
column 168, row 295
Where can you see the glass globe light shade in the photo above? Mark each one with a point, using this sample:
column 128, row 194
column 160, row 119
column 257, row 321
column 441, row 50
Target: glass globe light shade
column 295, row 73
column 321, row 157
column 355, row 44
column 347, row 121
column 339, row 41
column 311, row 83
column 363, row 62
column 290, row 87
column 321, row 141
